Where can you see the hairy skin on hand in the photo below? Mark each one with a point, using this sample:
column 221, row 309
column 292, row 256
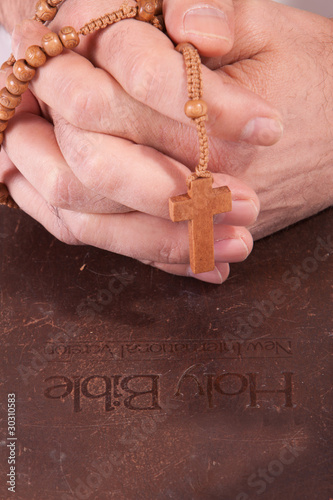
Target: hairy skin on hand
column 74, row 200
column 281, row 54
column 290, row 65
column 285, row 56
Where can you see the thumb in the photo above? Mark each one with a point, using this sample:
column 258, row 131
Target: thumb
column 209, row 26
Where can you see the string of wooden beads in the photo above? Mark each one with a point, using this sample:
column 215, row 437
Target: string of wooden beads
column 46, row 10
column 24, row 70
column 196, row 108
column 53, row 44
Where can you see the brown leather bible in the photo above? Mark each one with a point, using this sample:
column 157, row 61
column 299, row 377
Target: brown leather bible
column 120, row 381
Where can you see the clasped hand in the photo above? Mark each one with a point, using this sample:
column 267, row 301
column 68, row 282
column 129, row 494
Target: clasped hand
column 104, row 141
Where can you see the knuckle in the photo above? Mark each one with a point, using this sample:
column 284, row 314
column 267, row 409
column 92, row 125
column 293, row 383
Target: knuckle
column 64, row 235
column 90, row 229
column 78, row 225
column 57, row 191
column 77, row 231
column 144, row 80
column 98, row 175
column 76, row 145
column 59, row 228
column 85, row 105
column 138, row 73
column 84, row 161
column 170, row 251
column 81, row 152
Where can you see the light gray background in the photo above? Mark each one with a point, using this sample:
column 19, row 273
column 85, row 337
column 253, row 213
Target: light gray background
column 323, row 7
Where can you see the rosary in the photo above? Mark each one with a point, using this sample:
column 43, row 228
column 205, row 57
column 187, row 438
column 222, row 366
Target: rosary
column 201, row 202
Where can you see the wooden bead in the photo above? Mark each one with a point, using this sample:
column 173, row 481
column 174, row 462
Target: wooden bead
column 35, row 57
column 1, row 138
column 51, row 44
column 5, row 113
column 196, row 108
column 5, row 198
column 146, row 10
column 23, row 71
column 14, row 86
column 9, row 100
column 44, row 11
column 158, row 7
column 54, row 3
column 184, row 45
column 69, row 37
column 3, row 125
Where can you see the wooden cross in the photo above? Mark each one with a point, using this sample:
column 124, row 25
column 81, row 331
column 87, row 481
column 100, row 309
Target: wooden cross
column 199, row 206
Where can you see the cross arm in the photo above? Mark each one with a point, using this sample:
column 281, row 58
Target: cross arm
column 181, row 208
column 222, row 200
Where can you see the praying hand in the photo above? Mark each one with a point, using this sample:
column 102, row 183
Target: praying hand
column 112, row 143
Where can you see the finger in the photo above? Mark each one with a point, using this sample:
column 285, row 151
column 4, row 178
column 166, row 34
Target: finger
column 32, row 203
column 209, row 26
column 217, row 276
column 61, row 188
column 150, row 80
column 145, row 67
column 253, row 37
column 137, row 235
column 145, row 237
column 7, row 168
column 140, row 177
column 29, row 200
column 97, row 102
column 100, row 174
column 57, row 184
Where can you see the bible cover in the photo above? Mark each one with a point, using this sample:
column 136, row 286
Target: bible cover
column 120, row 381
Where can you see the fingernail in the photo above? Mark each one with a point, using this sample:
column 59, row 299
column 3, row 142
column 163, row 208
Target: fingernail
column 230, row 250
column 262, row 131
column 246, row 210
column 208, row 22
column 213, row 277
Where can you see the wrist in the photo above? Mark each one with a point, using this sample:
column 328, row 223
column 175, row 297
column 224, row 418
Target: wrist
column 14, row 11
